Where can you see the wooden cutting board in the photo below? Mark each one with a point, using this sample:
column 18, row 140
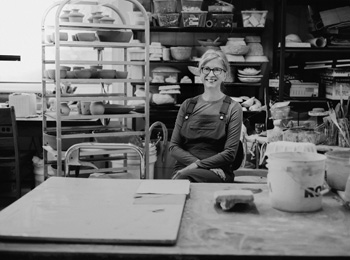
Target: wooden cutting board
column 93, row 211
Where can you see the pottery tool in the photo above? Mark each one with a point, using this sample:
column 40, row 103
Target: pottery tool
column 333, row 117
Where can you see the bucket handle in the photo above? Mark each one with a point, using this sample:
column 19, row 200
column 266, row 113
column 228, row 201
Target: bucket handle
column 324, row 191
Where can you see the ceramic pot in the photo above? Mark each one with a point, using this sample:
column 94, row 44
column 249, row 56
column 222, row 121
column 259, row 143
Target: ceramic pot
column 75, row 16
column 90, row 19
column 84, row 107
column 97, row 108
column 107, row 20
column 65, row 109
column 96, row 18
column 65, row 16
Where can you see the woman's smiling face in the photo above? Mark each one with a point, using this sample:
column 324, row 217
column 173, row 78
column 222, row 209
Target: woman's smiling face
column 211, row 80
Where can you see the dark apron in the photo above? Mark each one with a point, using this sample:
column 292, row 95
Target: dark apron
column 204, row 136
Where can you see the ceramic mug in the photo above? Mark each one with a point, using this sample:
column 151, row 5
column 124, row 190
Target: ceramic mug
column 85, row 107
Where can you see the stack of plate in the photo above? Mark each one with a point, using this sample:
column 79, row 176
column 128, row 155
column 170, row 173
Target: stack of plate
column 249, row 75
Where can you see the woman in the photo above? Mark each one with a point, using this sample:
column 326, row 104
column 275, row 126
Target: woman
column 207, row 130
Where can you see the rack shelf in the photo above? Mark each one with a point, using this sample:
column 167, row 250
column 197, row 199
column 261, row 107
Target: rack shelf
column 64, row 49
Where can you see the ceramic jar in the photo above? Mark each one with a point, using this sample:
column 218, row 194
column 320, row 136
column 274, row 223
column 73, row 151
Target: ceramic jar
column 75, row 16
column 97, row 108
column 96, row 18
column 65, row 16
column 90, row 19
column 107, row 20
column 84, row 107
column 65, row 109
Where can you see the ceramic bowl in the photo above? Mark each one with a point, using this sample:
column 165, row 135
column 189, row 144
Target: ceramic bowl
column 121, row 74
column 82, row 74
column 67, row 68
column 94, row 71
column 115, row 36
column 86, row 37
column 70, row 75
column 181, row 53
column 52, row 74
column 78, row 68
column 107, row 74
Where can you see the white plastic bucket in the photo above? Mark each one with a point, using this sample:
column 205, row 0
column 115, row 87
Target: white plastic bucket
column 295, row 181
column 133, row 162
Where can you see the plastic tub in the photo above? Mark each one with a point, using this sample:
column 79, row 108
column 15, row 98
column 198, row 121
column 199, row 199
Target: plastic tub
column 194, row 19
column 164, row 6
column 191, row 5
column 168, row 20
column 338, row 169
column 280, row 112
column 254, row 18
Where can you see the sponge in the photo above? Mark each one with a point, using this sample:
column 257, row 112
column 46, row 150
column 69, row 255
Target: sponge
column 227, row 199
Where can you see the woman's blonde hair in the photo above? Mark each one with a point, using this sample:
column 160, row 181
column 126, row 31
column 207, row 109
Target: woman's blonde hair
column 210, row 55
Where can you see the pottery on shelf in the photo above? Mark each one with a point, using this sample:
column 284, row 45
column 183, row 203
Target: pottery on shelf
column 65, row 16
column 96, row 18
column 97, row 108
column 107, row 20
column 65, row 109
column 75, row 16
column 90, row 19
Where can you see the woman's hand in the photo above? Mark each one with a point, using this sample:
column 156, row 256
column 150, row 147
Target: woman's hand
column 187, row 168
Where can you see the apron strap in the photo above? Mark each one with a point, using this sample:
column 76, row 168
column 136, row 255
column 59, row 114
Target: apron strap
column 190, row 107
column 224, row 107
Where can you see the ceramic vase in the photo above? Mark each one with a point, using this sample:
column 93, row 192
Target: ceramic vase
column 65, row 16
column 90, row 19
column 96, row 18
column 97, row 108
column 76, row 16
column 65, row 109
column 107, row 20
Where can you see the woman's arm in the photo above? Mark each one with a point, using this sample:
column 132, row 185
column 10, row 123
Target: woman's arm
column 175, row 147
column 228, row 155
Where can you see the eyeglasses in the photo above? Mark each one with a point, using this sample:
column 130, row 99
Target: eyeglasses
column 216, row 71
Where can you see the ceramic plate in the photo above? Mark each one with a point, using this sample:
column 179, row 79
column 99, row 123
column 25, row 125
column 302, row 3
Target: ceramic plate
column 249, row 80
column 118, row 109
column 250, row 76
column 250, row 72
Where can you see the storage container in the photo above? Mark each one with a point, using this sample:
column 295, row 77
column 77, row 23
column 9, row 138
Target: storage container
column 280, row 112
column 194, row 19
column 254, row 18
column 220, row 8
column 164, row 6
column 191, row 5
column 168, row 20
column 338, row 169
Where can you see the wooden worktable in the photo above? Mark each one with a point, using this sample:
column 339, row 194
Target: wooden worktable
column 207, row 232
